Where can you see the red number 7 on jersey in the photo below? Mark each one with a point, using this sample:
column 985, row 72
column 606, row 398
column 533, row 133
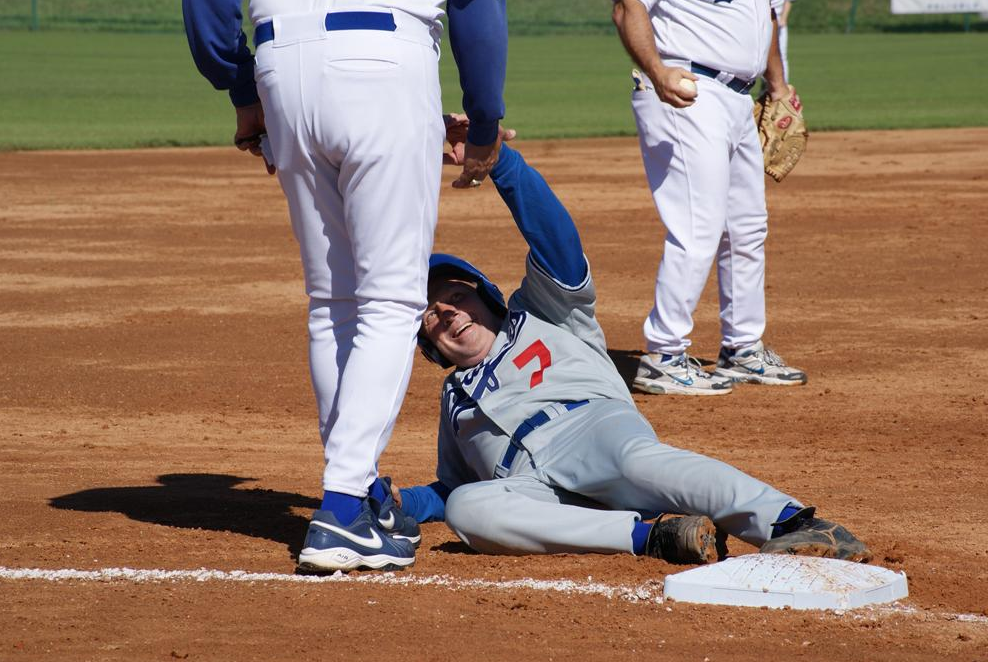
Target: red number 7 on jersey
column 535, row 350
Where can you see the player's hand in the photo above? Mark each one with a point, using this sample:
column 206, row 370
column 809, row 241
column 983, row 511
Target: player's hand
column 670, row 90
column 250, row 128
column 479, row 160
column 779, row 91
column 395, row 493
column 456, row 135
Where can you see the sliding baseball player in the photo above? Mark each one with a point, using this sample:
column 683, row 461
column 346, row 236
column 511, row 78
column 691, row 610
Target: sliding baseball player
column 541, row 448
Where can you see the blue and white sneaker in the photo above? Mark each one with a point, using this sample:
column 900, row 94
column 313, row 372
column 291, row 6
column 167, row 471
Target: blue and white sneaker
column 677, row 374
column 363, row 544
column 392, row 519
column 757, row 364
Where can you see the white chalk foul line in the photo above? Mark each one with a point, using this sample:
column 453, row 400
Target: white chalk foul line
column 649, row 592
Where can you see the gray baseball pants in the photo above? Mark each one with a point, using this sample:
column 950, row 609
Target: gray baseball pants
column 590, row 475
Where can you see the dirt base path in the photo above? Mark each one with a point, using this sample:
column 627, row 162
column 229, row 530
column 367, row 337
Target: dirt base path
column 155, row 413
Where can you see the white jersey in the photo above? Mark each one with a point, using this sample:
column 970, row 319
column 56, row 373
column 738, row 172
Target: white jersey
column 549, row 349
column 262, row 10
column 727, row 35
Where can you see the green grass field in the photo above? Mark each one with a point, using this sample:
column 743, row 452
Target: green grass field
column 110, row 90
column 531, row 17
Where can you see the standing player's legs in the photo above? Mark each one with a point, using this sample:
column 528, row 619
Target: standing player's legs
column 355, row 124
column 389, row 179
column 686, row 156
column 685, row 152
column 741, row 268
column 741, row 254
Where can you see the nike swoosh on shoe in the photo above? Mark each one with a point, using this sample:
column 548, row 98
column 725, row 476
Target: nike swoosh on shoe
column 372, row 542
column 684, row 382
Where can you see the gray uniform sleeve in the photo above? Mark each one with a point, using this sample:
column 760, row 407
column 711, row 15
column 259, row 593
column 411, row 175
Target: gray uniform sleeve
column 570, row 308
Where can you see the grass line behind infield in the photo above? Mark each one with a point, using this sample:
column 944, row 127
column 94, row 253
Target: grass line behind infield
column 111, row 90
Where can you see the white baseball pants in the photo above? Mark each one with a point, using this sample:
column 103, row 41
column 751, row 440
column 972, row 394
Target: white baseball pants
column 704, row 166
column 354, row 120
column 784, row 49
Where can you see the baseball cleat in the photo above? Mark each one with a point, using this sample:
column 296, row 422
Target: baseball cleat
column 805, row 535
column 392, row 519
column 691, row 539
column 677, row 374
column 757, row 364
column 330, row 546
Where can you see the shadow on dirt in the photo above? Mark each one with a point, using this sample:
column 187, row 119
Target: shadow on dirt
column 453, row 547
column 202, row 501
column 626, row 362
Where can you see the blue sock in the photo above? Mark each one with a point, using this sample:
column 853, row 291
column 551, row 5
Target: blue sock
column 786, row 513
column 379, row 490
column 639, row 536
column 345, row 507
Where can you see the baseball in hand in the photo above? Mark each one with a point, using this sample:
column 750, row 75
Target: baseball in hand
column 686, row 85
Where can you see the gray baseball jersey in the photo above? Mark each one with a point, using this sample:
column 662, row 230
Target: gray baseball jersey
column 549, row 349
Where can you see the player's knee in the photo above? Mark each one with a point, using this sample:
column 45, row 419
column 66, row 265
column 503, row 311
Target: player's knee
column 465, row 507
column 470, row 513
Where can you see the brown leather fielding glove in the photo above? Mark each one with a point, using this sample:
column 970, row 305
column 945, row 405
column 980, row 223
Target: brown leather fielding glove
column 782, row 132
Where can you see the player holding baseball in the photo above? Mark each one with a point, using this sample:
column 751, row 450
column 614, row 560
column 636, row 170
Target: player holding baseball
column 348, row 95
column 541, row 448
column 704, row 165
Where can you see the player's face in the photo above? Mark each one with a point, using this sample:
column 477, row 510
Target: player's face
column 459, row 323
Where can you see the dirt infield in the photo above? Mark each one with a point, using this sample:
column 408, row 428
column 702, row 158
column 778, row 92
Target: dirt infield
column 155, row 413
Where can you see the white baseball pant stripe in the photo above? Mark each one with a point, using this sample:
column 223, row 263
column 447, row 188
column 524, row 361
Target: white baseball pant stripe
column 355, row 123
column 705, row 168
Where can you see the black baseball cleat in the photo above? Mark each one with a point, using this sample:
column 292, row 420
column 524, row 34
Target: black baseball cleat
column 806, row 535
column 690, row 539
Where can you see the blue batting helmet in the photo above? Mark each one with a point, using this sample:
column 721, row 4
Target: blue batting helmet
column 442, row 265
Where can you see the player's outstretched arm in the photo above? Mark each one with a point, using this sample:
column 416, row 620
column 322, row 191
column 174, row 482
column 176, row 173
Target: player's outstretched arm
column 219, row 47
column 542, row 219
column 478, row 35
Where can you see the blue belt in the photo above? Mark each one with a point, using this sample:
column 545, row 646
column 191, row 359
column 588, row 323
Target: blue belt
column 528, row 426
column 342, row 20
column 739, row 85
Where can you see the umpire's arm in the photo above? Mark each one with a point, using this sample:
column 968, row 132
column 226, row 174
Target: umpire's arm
column 219, row 47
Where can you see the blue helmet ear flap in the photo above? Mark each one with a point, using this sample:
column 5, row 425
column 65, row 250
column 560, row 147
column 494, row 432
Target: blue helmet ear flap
column 442, row 265
column 431, row 352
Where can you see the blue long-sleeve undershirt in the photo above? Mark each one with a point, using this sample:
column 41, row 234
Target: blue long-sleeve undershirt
column 478, row 36
column 219, row 47
column 541, row 218
column 426, row 503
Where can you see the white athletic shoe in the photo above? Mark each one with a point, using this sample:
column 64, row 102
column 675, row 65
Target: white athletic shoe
column 677, row 374
column 757, row 364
